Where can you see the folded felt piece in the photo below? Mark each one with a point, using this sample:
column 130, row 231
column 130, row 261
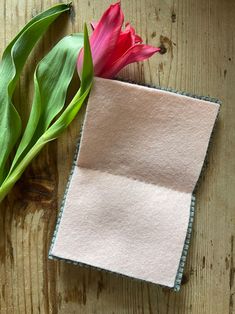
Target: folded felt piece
column 128, row 207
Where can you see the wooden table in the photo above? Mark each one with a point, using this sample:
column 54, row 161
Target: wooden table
column 200, row 41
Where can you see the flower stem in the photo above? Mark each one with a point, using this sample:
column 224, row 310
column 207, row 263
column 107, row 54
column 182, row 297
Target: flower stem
column 15, row 174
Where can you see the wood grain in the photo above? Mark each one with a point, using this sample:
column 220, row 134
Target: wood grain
column 200, row 58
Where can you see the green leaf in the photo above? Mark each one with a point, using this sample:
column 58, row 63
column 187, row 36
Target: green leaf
column 13, row 60
column 60, row 124
column 71, row 111
column 51, row 80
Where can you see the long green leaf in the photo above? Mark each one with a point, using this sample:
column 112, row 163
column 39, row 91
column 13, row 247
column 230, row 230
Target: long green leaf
column 86, row 82
column 57, row 127
column 51, row 81
column 13, row 60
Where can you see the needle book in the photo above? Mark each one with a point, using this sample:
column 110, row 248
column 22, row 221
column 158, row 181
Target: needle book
column 129, row 204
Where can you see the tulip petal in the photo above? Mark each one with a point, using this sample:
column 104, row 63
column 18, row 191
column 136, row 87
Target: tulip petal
column 112, row 48
column 136, row 53
column 125, row 42
column 104, row 38
column 136, row 38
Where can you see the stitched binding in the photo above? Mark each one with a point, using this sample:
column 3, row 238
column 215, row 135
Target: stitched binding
column 180, row 271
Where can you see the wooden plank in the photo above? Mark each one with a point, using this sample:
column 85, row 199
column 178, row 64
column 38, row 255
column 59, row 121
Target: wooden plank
column 200, row 59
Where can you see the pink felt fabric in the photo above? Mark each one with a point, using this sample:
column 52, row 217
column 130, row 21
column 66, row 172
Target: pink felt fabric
column 128, row 204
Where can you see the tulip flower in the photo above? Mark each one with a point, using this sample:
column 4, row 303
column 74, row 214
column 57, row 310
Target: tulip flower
column 113, row 48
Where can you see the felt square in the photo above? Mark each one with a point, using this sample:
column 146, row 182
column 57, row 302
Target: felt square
column 127, row 208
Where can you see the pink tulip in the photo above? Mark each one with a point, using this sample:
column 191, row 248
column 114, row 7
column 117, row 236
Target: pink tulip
column 112, row 49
